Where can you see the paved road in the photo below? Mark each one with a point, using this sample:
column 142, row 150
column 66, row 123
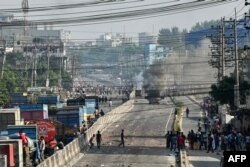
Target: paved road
column 197, row 158
column 144, row 130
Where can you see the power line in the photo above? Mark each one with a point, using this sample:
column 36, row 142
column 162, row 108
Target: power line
column 121, row 16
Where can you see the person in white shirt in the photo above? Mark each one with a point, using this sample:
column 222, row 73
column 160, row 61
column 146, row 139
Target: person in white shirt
column 110, row 104
column 42, row 147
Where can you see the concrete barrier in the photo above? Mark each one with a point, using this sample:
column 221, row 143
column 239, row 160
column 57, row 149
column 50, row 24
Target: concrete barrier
column 72, row 151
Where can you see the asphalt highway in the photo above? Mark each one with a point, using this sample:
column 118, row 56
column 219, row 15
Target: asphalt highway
column 145, row 146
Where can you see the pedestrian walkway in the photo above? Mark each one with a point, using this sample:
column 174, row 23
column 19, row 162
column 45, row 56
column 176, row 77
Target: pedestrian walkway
column 197, row 158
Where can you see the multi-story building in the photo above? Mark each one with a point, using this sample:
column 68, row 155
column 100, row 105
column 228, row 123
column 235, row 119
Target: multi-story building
column 17, row 37
column 155, row 52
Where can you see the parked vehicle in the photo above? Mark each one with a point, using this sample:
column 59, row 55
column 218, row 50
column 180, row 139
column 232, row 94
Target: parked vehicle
column 9, row 116
column 33, row 146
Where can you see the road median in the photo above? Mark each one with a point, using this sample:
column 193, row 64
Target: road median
column 177, row 127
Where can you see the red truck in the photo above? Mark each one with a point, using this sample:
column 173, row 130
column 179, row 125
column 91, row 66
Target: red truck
column 49, row 129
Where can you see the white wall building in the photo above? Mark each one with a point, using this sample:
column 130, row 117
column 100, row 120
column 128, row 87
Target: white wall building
column 155, row 52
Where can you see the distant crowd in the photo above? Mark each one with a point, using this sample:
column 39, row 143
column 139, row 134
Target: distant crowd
column 210, row 135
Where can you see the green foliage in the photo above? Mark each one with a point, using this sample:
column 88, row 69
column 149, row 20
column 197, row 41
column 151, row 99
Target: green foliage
column 112, row 55
column 17, row 79
column 224, row 91
column 171, row 38
column 3, row 93
column 11, row 80
column 204, row 25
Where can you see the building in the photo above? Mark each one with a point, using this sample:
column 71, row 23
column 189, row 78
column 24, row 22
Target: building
column 12, row 31
column 146, row 38
column 109, row 40
column 6, row 17
column 155, row 52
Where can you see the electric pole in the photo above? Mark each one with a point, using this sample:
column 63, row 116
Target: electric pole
column 222, row 49
column 25, row 7
column 237, row 82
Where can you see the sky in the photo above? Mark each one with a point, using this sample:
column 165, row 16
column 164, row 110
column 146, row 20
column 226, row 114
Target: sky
column 183, row 20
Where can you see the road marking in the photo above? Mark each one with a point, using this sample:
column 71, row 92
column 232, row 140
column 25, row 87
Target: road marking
column 168, row 120
column 202, row 159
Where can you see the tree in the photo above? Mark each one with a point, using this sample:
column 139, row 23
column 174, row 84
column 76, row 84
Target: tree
column 3, row 93
column 224, row 91
column 203, row 25
column 163, row 37
column 170, row 38
column 17, row 79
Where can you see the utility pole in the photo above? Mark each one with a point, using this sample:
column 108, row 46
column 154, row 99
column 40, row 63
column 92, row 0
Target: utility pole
column 60, row 77
column 25, row 8
column 3, row 50
column 222, row 48
column 237, row 82
column 216, row 49
column 33, row 67
column 48, row 56
column 35, row 70
column 230, row 46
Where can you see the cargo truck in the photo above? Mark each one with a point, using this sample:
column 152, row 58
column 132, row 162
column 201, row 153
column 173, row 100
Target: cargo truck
column 35, row 129
column 153, row 96
column 10, row 116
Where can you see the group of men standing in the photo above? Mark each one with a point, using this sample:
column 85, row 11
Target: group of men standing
column 175, row 140
column 98, row 138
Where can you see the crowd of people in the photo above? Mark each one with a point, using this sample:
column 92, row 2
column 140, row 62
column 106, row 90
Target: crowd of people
column 175, row 140
column 210, row 135
column 34, row 152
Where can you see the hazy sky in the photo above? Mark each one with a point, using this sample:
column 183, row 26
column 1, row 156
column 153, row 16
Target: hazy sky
column 85, row 32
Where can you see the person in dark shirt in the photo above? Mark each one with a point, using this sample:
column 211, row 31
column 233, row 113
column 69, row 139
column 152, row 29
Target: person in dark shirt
column 91, row 141
column 210, row 142
column 102, row 113
column 122, row 139
column 175, row 111
column 168, row 137
column 187, row 112
column 98, row 139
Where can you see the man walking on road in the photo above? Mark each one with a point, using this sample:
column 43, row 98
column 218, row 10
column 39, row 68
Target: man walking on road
column 122, row 138
column 91, row 141
column 98, row 139
column 187, row 112
column 168, row 137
